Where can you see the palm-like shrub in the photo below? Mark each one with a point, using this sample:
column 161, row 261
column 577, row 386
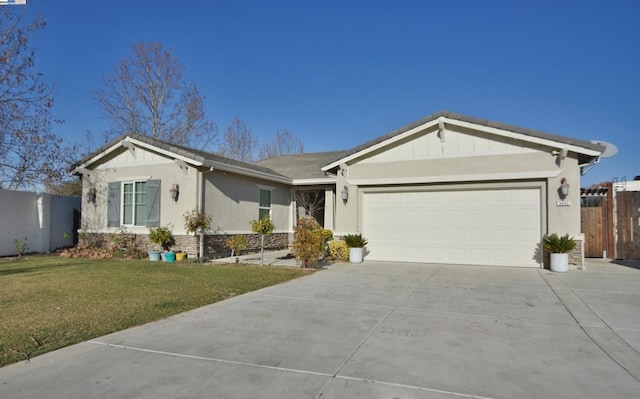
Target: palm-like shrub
column 355, row 240
column 556, row 244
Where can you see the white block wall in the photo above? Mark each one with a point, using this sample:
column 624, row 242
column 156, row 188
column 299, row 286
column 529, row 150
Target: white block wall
column 43, row 219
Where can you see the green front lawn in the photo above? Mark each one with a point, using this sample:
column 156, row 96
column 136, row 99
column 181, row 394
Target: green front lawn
column 48, row 302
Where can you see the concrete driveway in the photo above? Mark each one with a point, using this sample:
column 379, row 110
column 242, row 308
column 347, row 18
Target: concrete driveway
column 374, row 330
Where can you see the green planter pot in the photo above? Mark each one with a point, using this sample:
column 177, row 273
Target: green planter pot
column 154, row 256
column 170, row 257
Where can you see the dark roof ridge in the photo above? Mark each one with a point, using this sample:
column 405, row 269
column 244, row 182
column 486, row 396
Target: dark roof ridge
column 304, row 154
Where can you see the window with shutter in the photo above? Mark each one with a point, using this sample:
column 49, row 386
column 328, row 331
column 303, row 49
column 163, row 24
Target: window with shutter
column 113, row 204
column 134, row 203
column 153, row 203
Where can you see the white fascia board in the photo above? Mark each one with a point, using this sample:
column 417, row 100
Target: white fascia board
column 456, row 178
column 168, row 154
column 137, row 143
column 249, row 172
column 96, row 158
column 382, row 144
column 468, row 125
column 522, row 137
column 316, row 181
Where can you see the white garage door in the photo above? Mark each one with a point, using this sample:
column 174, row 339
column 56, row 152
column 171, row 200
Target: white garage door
column 484, row 227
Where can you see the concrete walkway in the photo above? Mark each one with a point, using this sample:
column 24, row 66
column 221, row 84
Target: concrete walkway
column 374, row 330
column 271, row 258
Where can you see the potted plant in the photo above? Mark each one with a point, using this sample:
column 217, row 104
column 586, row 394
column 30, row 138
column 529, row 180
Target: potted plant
column 161, row 236
column 237, row 244
column 180, row 256
column 559, row 248
column 356, row 245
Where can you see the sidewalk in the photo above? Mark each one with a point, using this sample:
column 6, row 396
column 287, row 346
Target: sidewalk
column 271, row 258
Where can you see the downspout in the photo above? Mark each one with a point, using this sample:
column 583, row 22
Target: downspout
column 200, row 206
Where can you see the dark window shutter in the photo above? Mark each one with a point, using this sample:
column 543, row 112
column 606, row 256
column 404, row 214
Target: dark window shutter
column 153, row 203
column 113, row 205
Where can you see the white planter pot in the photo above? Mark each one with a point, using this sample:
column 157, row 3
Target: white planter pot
column 355, row 255
column 560, row 263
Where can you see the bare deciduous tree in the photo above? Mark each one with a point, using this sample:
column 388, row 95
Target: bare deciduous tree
column 146, row 94
column 30, row 153
column 285, row 143
column 238, row 142
column 310, row 200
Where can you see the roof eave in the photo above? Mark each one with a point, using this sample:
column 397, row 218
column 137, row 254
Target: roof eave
column 314, row 181
column 577, row 146
column 214, row 165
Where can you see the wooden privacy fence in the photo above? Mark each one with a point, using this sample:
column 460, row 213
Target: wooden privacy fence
column 628, row 225
column 610, row 223
column 593, row 228
column 597, row 222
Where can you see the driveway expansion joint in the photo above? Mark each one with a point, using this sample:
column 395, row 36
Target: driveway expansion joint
column 423, row 281
column 595, row 328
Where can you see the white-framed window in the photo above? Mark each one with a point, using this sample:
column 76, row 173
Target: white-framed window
column 134, row 203
column 264, row 204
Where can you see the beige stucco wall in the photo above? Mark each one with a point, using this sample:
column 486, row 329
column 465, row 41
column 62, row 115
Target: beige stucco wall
column 445, row 169
column 233, row 201
column 121, row 166
column 513, row 167
column 346, row 214
column 565, row 219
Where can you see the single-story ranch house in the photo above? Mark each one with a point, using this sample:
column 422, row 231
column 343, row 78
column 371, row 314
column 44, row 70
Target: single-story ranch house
column 447, row 189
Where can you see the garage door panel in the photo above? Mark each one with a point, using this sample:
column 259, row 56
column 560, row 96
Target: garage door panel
column 493, row 227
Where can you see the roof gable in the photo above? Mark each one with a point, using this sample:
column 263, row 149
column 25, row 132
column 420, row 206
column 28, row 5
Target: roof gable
column 180, row 154
column 435, row 144
column 442, row 124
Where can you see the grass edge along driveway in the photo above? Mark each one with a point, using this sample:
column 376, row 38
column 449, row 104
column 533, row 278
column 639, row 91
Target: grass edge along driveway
column 49, row 302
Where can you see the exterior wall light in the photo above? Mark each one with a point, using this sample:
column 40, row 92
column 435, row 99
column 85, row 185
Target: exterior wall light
column 345, row 194
column 564, row 187
column 91, row 195
column 174, row 192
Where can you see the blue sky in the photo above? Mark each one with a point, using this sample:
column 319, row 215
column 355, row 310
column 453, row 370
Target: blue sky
column 339, row 73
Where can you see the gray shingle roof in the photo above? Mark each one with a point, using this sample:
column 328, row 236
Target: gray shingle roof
column 207, row 158
column 302, row 166
column 308, row 166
